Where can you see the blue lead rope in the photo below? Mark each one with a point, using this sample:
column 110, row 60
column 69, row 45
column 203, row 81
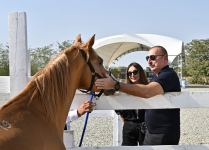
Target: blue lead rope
column 86, row 120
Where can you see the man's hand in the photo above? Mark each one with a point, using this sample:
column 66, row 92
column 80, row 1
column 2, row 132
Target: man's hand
column 105, row 83
column 86, row 106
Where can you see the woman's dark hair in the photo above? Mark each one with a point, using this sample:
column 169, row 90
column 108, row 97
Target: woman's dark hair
column 142, row 76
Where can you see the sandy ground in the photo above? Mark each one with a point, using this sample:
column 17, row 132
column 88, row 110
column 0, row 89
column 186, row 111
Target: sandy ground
column 194, row 128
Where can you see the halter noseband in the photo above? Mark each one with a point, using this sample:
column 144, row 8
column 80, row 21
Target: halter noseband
column 94, row 74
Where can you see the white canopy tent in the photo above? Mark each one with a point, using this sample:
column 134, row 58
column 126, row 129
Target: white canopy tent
column 110, row 48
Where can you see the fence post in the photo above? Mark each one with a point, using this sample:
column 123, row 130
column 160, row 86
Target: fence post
column 117, row 130
column 18, row 52
column 68, row 139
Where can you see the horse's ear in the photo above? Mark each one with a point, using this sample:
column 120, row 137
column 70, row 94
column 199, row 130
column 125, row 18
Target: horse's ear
column 78, row 39
column 90, row 42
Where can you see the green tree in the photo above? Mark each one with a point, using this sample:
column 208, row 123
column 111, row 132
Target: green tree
column 197, row 61
column 116, row 72
column 40, row 57
column 4, row 60
column 63, row 45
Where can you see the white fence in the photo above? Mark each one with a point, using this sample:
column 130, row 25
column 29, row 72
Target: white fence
column 185, row 99
column 20, row 72
column 168, row 147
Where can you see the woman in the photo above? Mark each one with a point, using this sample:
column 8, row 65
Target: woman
column 133, row 134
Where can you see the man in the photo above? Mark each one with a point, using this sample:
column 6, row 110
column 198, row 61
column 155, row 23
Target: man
column 163, row 125
column 86, row 106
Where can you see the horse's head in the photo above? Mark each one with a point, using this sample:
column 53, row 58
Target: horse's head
column 93, row 64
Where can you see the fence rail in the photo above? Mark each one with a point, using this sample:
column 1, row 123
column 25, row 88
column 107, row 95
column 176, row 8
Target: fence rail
column 185, row 99
column 162, row 147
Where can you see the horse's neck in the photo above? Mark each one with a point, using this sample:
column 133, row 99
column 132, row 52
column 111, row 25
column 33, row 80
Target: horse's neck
column 32, row 99
column 73, row 85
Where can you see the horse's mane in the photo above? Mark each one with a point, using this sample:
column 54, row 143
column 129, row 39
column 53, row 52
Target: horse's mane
column 50, row 83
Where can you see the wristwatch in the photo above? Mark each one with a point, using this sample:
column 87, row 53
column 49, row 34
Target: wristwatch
column 117, row 86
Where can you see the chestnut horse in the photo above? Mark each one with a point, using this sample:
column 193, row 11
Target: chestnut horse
column 35, row 119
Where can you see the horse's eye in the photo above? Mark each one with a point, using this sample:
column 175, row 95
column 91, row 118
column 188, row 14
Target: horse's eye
column 100, row 61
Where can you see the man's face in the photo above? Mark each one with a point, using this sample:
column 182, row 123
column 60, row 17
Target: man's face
column 156, row 60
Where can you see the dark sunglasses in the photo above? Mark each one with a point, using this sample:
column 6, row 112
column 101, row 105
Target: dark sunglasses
column 134, row 72
column 152, row 57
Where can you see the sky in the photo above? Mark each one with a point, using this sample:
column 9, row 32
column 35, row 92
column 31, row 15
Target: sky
column 51, row 21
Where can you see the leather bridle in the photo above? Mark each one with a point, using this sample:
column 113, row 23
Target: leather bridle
column 94, row 74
